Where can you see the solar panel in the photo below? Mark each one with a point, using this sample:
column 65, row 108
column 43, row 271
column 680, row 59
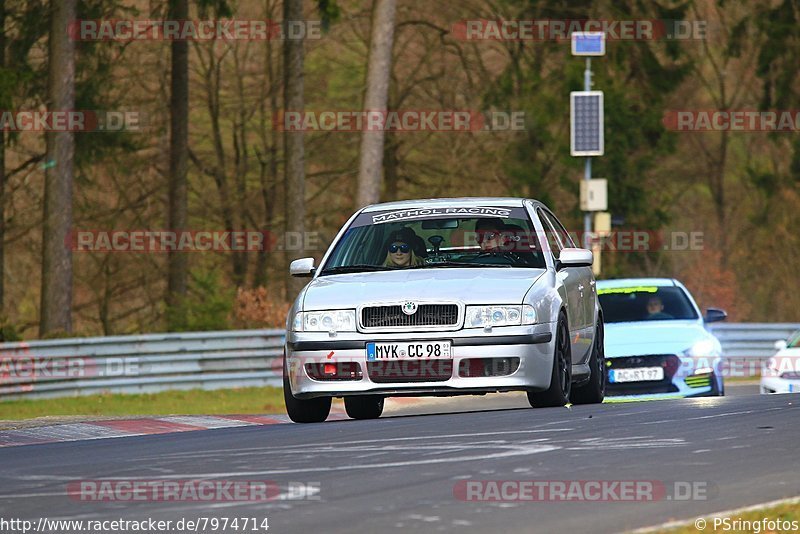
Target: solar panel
column 586, row 123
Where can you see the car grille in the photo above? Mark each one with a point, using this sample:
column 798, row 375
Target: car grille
column 410, row 371
column 670, row 362
column 426, row 315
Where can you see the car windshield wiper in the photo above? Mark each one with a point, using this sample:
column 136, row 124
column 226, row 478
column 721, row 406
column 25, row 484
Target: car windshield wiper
column 456, row 264
column 361, row 268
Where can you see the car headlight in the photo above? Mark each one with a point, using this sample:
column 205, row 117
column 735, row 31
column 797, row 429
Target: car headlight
column 325, row 321
column 704, row 347
column 482, row 316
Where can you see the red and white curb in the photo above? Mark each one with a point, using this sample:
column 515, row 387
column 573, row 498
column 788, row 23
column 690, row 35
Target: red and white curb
column 121, row 428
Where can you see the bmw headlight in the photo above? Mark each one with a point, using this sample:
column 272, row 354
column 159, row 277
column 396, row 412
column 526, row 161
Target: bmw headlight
column 482, row 316
column 325, row 321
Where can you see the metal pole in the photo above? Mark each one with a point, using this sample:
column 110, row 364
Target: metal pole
column 587, row 174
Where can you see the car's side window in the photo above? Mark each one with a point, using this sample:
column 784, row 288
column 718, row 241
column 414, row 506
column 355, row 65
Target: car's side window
column 561, row 232
column 550, row 235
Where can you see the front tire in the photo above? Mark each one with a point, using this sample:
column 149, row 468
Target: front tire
column 594, row 391
column 304, row 410
column 364, row 406
column 561, row 379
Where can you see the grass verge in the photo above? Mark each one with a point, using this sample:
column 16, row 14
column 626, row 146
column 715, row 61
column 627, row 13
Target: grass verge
column 190, row 402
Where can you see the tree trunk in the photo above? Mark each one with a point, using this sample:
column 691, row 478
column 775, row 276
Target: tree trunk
column 56, row 298
column 392, row 167
column 2, row 167
column 268, row 177
column 177, row 218
column 295, row 174
column 378, row 70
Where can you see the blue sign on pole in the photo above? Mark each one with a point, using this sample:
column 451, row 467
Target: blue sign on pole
column 588, row 43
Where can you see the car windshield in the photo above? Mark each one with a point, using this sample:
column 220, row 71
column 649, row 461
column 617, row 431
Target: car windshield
column 437, row 237
column 645, row 303
column 794, row 341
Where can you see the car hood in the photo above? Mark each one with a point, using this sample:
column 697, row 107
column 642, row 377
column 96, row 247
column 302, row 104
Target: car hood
column 652, row 337
column 470, row 286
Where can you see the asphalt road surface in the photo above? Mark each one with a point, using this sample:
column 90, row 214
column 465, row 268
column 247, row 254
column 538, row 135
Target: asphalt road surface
column 408, row 473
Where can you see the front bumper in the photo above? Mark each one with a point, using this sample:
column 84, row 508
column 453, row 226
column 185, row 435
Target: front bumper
column 532, row 345
column 776, row 384
column 679, row 380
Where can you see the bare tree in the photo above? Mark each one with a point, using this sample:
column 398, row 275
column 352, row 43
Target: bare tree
column 56, row 301
column 2, row 164
column 378, row 71
column 295, row 172
column 178, row 163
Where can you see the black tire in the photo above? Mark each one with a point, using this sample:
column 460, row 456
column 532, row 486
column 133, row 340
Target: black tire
column 594, row 391
column 715, row 390
column 364, row 406
column 304, row 410
column 561, row 379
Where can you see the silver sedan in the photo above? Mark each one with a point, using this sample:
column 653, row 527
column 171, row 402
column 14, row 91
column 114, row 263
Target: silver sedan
column 444, row 297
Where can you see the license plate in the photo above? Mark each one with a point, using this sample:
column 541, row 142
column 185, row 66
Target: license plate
column 636, row 374
column 411, row 350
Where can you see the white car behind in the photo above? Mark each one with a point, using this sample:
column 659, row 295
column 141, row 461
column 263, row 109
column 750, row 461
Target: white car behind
column 781, row 374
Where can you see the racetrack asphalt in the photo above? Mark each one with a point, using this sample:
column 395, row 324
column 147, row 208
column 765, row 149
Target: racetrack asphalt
column 399, row 472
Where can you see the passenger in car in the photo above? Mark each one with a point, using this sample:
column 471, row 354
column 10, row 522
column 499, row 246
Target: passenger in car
column 400, row 250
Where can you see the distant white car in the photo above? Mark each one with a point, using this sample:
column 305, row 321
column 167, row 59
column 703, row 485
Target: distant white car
column 781, row 374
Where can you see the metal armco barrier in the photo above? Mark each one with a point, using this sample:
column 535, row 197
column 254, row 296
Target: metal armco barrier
column 141, row 364
column 744, row 343
column 227, row 359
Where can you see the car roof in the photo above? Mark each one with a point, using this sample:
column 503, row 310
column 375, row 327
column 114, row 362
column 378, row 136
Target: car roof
column 451, row 202
column 632, row 282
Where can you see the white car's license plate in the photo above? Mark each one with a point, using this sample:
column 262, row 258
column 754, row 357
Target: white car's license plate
column 411, row 350
column 636, row 374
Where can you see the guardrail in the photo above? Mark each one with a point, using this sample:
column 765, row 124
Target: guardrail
column 228, row 359
column 141, row 364
column 750, row 344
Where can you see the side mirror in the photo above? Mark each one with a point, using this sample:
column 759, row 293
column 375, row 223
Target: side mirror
column 302, row 267
column 781, row 344
column 575, row 257
column 714, row 315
